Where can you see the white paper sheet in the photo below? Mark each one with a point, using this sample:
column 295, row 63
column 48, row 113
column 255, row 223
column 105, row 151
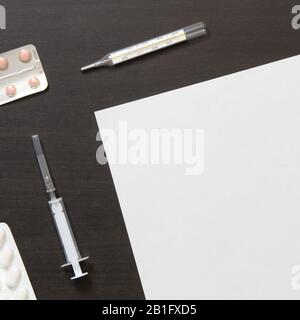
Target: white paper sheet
column 233, row 229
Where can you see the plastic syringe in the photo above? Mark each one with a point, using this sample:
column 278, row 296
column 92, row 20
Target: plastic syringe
column 60, row 216
column 196, row 30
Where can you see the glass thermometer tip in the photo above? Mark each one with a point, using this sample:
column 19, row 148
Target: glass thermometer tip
column 96, row 64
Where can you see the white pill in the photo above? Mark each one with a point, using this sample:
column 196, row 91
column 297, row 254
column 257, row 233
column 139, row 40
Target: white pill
column 2, row 237
column 6, row 257
column 13, row 277
column 21, row 294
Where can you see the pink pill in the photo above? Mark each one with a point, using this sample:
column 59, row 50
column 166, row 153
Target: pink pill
column 11, row 91
column 25, row 55
column 3, row 63
column 34, row 82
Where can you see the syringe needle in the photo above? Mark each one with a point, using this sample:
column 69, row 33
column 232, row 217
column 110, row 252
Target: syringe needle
column 43, row 164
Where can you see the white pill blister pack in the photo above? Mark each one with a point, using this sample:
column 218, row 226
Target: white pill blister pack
column 21, row 74
column 14, row 281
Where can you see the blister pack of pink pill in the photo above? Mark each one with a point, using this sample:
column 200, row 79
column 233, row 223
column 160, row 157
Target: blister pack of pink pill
column 21, row 74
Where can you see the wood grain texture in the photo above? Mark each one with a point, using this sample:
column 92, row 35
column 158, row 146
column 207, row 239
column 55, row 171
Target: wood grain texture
column 68, row 35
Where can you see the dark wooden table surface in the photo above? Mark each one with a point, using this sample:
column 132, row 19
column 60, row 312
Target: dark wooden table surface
column 69, row 34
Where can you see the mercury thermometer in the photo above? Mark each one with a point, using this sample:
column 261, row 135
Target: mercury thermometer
column 193, row 31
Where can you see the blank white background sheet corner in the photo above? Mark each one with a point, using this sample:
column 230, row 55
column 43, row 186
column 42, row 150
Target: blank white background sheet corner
column 233, row 231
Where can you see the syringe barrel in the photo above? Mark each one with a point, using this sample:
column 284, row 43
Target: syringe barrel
column 66, row 236
column 195, row 30
column 64, row 230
